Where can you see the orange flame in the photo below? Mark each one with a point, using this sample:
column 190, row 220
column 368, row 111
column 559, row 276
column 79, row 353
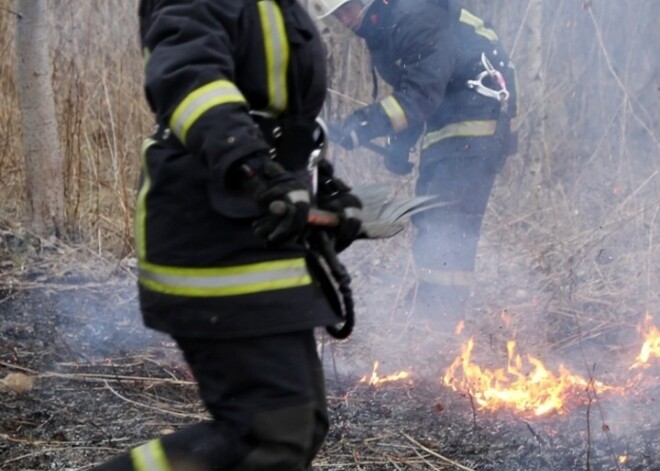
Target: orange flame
column 375, row 380
column 537, row 391
column 651, row 346
column 459, row 328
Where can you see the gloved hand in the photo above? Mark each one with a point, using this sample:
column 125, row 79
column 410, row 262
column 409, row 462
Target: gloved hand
column 350, row 133
column 398, row 149
column 335, row 195
column 285, row 197
column 397, row 160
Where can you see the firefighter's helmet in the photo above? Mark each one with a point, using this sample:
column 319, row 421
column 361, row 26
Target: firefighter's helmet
column 323, row 8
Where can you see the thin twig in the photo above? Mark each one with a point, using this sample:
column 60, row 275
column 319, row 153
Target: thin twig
column 12, row 12
column 436, row 454
column 157, row 409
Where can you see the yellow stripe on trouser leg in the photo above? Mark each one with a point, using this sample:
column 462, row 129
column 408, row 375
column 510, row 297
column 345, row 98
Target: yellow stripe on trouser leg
column 445, row 278
column 150, row 457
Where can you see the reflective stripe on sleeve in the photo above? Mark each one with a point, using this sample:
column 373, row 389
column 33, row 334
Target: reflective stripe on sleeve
column 276, row 46
column 478, row 25
column 460, row 129
column 226, row 281
column 395, row 113
column 150, row 457
column 201, row 100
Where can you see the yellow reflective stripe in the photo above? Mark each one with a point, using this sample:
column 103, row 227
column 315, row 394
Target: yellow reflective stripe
column 396, row 114
column 199, row 101
column 460, row 129
column 276, row 46
column 444, row 278
column 226, row 281
column 140, row 222
column 146, row 54
column 478, row 25
column 150, row 457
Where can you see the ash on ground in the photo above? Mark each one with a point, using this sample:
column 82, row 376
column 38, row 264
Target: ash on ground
column 101, row 383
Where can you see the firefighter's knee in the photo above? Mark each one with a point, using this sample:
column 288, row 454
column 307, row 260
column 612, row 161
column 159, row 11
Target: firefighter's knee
column 285, row 439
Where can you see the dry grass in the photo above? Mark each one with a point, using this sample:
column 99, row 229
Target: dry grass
column 570, row 252
column 570, row 243
column 102, row 118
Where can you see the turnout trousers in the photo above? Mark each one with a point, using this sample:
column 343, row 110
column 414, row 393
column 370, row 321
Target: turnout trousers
column 462, row 172
column 266, row 398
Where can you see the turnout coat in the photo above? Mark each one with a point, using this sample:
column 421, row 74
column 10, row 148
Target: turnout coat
column 427, row 50
column 226, row 80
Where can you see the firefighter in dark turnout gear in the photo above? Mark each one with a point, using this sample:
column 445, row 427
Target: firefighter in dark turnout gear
column 236, row 87
column 454, row 93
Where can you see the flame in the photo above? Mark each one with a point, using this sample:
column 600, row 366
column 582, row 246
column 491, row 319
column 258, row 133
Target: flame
column 537, row 391
column 506, row 319
column 375, row 380
column 651, row 346
column 623, row 459
column 459, row 328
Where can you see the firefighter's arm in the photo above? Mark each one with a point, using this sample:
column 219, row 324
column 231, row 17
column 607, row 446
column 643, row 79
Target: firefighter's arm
column 190, row 81
column 426, row 45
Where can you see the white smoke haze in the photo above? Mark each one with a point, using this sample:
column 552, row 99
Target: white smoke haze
column 569, row 258
column 569, row 253
column 569, row 248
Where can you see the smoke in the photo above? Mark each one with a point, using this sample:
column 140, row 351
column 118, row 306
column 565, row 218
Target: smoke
column 568, row 257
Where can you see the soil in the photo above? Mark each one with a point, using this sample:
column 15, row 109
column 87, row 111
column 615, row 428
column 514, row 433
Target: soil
column 95, row 382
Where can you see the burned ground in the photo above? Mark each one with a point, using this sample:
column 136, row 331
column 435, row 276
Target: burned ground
column 96, row 382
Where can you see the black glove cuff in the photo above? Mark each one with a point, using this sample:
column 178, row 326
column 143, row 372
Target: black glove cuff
column 245, row 169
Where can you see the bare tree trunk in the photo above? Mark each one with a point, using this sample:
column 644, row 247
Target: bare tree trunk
column 534, row 75
column 44, row 163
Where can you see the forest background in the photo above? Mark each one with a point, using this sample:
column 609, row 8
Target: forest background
column 568, row 263
column 571, row 240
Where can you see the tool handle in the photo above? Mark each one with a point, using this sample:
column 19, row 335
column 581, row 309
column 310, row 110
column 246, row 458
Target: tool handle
column 319, row 217
column 316, row 217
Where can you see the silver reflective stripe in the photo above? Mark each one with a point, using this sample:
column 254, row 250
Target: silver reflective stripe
column 353, row 213
column 478, row 25
column 150, row 457
column 201, row 100
column 461, row 129
column 395, row 113
column 276, row 46
column 444, row 278
column 226, row 281
column 298, row 196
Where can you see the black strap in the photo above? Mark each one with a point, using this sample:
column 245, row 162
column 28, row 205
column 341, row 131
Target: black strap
column 336, row 285
column 374, row 83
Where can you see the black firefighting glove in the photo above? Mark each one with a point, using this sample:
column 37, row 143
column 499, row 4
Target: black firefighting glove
column 284, row 197
column 397, row 157
column 334, row 195
column 351, row 132
column 399, row 147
